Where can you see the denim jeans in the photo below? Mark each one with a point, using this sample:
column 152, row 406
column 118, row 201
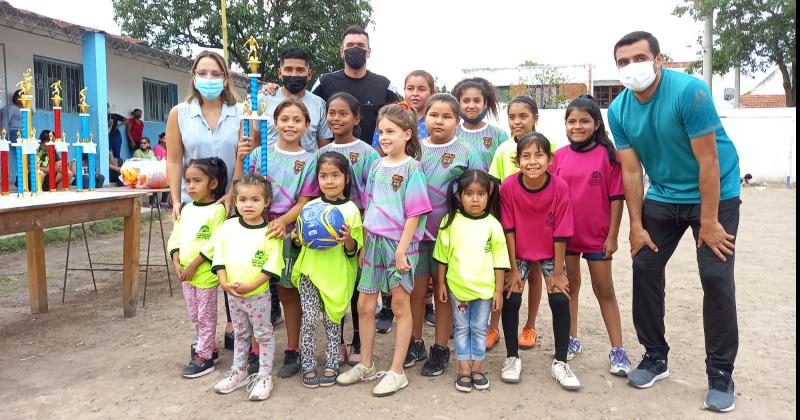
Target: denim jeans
column 470, row 320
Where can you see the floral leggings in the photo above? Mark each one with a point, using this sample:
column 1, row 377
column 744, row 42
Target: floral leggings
column 312, row 308
column 202, row 307
column 250, row 317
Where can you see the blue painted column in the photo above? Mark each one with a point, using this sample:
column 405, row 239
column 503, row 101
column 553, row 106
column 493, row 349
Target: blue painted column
column 94, row 77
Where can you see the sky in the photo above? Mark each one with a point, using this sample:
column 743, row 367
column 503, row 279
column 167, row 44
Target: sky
column 447, row 36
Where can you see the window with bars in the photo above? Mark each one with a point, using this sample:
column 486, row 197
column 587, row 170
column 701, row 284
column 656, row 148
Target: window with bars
column 604, row 95
column 45, row 72
column 158, row 99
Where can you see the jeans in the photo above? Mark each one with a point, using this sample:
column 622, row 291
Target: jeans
column 471, row 320
column 666, row 224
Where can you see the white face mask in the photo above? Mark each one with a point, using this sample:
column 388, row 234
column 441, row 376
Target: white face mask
column 637, row 76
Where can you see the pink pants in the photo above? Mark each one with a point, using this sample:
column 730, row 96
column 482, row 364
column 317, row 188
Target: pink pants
column 202, row 307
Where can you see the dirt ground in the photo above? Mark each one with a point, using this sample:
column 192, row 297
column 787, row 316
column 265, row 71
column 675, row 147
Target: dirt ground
column 82, row 359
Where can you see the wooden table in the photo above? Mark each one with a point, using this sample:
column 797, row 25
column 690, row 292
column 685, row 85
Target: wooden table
column 34, row 214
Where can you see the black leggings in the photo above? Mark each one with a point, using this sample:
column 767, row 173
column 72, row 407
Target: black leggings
column 559, row 307
column 354, row 314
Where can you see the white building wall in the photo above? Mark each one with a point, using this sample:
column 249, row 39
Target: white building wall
column 125, row 76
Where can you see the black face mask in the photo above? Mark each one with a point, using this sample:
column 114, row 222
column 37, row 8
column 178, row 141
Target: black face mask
column 355, row 57
column 295, row 84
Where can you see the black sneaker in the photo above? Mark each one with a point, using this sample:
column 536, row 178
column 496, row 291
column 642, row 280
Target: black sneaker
column 652, row 368
column 430, row 316
column 416, row 353
column 291, row 364
column 438, row 361
column 253, row 364
column 383, row 321
column 229, row 341
column 193, row 353
column 197, row 368
column 721, row 394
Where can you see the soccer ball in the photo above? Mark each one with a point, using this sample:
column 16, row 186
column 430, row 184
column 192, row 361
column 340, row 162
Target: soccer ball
column 318, row 225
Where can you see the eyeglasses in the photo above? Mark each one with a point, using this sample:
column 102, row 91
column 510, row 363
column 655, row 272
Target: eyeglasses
column 205, row 74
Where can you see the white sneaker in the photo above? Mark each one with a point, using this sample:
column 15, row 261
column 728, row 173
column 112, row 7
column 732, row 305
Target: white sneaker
column 512, row 368
column 391, row 383
column 260, row 386
column 359, row 373
column 564, row 376
column 234, row 379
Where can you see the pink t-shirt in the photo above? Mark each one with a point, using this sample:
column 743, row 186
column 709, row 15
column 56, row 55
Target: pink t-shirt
column 160, row 152
column 593, row 184
column 539, row 217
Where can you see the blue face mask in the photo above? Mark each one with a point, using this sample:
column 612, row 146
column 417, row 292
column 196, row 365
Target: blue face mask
column 209, row 88
column 476, row 120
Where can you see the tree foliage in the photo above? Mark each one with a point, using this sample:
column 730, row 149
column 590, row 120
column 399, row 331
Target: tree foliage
column 177, row 25
column 755, row 34
column 545, row 83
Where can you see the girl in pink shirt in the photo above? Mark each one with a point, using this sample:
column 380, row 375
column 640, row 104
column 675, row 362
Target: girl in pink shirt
column 590, row 166
column 536, row 215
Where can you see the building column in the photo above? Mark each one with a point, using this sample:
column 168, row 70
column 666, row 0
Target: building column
column 94, row 77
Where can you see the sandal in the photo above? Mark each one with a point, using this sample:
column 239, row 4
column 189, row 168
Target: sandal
column 479, row 380
column 310, row 381
column 464, row 383
column 326, row 379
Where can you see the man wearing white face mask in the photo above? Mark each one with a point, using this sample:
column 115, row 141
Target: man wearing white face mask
column 666, row 121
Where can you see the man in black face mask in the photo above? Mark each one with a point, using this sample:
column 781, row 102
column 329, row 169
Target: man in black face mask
column 372, row 90
column 295, row 73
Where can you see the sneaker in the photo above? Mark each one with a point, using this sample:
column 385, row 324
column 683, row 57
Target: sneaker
column 233, row 380
column 359, row 373
column 197, row 368
column 430, row 315
column 561, row 372
column 721, row 394
column 253, row 364
column 651, row 369
column 342, row 353
column 620, row 364
column 354, row 354
column 390, row 383
column 416, row 353
column 480, row 381
column 437, row 362
column 214, row 353
column 464, row 383
column 229, row 341
column 291, row 364
column 276, row 318
column 259, row 387
column 527, row 340
column 383, row 321
column 492, row 337
column 573, row 348
column 512, row 368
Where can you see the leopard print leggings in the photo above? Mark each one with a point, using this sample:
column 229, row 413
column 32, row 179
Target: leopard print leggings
column 312, row 308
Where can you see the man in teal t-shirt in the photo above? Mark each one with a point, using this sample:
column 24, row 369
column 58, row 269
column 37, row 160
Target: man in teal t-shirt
column 666, row 121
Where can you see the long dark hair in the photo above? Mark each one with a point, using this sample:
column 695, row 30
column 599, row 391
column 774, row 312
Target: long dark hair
column 340, row 162
column 214, row 168
column 487, row 89
column 461, row 183
column 586, row 103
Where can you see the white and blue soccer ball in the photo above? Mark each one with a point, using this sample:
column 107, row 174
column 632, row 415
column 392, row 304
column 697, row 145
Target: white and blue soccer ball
column 318, row 225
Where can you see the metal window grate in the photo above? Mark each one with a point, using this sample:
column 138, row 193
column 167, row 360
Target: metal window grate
column 45, row 72
column 159, row 98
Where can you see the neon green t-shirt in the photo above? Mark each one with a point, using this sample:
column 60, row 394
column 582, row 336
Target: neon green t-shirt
column 333, row 271
column 472, row 248
column 244, row 252
column 191, row 235
column 504, row 162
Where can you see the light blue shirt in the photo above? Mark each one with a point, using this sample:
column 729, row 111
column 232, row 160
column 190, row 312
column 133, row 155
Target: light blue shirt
column 12, row 116
column 661, row 131
column 200, row 141
column 318, row 128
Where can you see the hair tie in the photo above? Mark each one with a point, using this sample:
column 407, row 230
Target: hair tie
column 405, row 105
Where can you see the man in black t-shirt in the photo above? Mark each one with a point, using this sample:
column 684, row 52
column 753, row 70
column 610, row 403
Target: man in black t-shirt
column 372, row 90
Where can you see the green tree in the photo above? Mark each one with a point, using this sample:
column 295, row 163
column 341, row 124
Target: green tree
column 177, row 25
column 544, row 83
column 754, row 34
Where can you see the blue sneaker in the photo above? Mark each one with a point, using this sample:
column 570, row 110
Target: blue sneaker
column 652, row 368
column 721, row 394
column 573, row 348
column 620, row 364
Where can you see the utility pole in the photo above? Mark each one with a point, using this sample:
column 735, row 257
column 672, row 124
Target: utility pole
column 708, row 48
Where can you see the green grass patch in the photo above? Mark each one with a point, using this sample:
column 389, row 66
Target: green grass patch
column 59, row 235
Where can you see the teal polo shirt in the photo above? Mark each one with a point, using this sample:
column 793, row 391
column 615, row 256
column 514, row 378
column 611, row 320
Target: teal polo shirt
column 661, row 131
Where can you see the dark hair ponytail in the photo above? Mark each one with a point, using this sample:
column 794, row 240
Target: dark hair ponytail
column 586, row 103
column 461, row 183
column 487, row 89
column 214, row 168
